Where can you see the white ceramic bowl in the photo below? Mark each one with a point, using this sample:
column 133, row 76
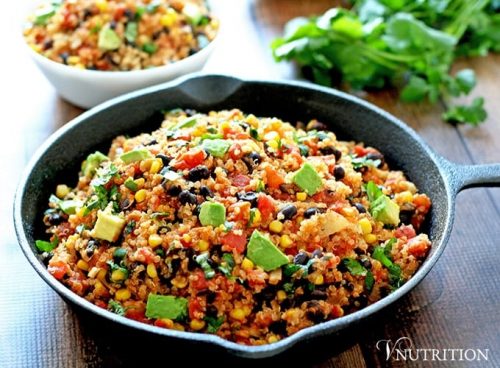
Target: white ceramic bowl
column 87, row 88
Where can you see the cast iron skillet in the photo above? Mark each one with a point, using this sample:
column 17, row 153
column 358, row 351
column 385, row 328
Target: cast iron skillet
column 351, row 118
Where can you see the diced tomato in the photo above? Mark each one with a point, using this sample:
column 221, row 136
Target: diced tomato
column 265, row 204
column 119, row 12
column 405, row 231
column 136, row 314
column 58, row 269
column 190, row 159
column 418, row 247
column 422, row 202
column 235, row 151
column 235, row 241
column 274, row 180
column 240, row 180
column 360, row 151
column 145, row 255
column 101, row 304
column 241, row 136
column 240, row 211
column 195, row 308
column 198, row 280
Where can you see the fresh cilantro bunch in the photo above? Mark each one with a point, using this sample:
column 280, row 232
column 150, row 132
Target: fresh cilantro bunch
column 407, row 44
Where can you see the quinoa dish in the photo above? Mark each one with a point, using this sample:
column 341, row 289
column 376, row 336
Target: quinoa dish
column 226, row 223
column 120, row 35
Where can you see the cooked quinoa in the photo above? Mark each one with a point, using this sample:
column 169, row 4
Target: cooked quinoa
column 230, row 224
column 120, row 35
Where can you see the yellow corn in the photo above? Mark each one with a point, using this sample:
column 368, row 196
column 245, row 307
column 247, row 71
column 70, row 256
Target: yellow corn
column 81, row 212
column 247, row 310
column 272, row 338
column 151, row 271
column 281, row 294
column 370, row 238
column 202, row 245
column 197, row 324
column 273, row 144
column 140, row 182
column 168, row 19
column 187, row 238
column 62, row 191
column 118, row 275
column 101, row 275
column 140, row 195
column 257, row 217
column 102, row 5
column 178, row 327
column 405, row 197
column 145, row 164
column 73, row 60
column 156, row 166
column 365, row 225
column 154, row 240
column 276, row 226
column 168, row 322
column 286, row 241
column 180, row 282
column 301, row 196
column 247, row 264
column 348, row 211
column 237, row 314
column 319, row 280
column 82, row 265
column 122, row 294
column 99, row 287
column 272, row 136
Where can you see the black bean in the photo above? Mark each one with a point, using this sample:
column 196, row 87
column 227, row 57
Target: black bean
column 288, row 211
column 317, row 253
column 360, row 207
column 198, row 173
column 376, row 156
column 248, row 197
column 151, row 142
column 46, row 256
column 129, row 14
column 206, row 192
column 406, row 216
column 91, row 247
column 339, row 173
column 211, row 310
column 174, row 191
column 112, row 24
column 185, row 197
column 197, row 210
column 55, row 218
column 125, row 204
column 301, row 258
column 327, row 150
column 365, row 262
column 319, row 294
column 315, row 315
column 253, row 157
column 310, row 212
column 64, row 56
column 278, row 327
column 48, row 44
column 337, row 154
column 175, row 264
column 349, row 286
column 87, row 12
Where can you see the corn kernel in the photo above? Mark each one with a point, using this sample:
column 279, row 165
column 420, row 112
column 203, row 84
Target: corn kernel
column 405, row 197
column 140, row 195
column 122, row 294
column 247, row 264
column 348, row 211
column 82, row 265
column 225, row 125
column 286, row 241
column 276, row 226
column 247, row 310
column 99, row 287
column 73, row 60
column 178, row 327
column 203, row 245
column 197, row 324
column 81, row 212
column 319, row 280
column 365, row 225
column 271, row 136
column 370, row 238
column 101, row 275
column 62, row 191
column 273, row 144
column 118, row 275
column 257, row 217
column 168, row 323
column 154, row 240
column 281, row 294
column 156, row 166
column 145, row 164
column 140, row 182
column 168, row 19
column 187, row 238
column 151, row 271
column 102, row 5
column 237, row 314
column 180, row 282
column 272, row 338
column 301, row 196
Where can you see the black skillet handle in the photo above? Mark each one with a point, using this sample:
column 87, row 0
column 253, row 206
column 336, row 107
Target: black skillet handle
column 462, row 177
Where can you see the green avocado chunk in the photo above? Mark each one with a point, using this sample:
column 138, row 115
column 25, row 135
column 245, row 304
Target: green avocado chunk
column 108, row 226
column 212, row 213
column 135, row 155
column 385, row 210
column 92, row 163
column 307, row 179
column 193, row 13
column 186, row 123
column 216, row 147
column 166, row 306
column 108, row 39
column 264, row 253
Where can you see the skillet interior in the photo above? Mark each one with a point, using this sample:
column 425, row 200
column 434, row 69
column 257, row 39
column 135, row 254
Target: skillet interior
column 58, row 160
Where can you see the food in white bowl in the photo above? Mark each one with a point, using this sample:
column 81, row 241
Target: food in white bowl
column 93, row 50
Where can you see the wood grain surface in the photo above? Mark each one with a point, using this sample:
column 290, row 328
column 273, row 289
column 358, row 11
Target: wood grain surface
column 456, row 306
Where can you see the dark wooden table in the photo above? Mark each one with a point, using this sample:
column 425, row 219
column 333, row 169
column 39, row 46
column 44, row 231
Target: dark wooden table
column 456, row 306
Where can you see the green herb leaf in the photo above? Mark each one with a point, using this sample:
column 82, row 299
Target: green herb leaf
column 116, row 307
column 227, row 264
column 131, row 31
column 202, row 260
column 354, row 267
column 473, row 114
column 150, row 48
column 213, row 324
column 45, row 246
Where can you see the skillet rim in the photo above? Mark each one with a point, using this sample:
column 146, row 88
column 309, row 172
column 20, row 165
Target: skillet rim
column 254, row 352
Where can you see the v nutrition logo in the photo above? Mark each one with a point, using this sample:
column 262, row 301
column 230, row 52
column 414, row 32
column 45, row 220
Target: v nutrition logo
column 403, row 349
